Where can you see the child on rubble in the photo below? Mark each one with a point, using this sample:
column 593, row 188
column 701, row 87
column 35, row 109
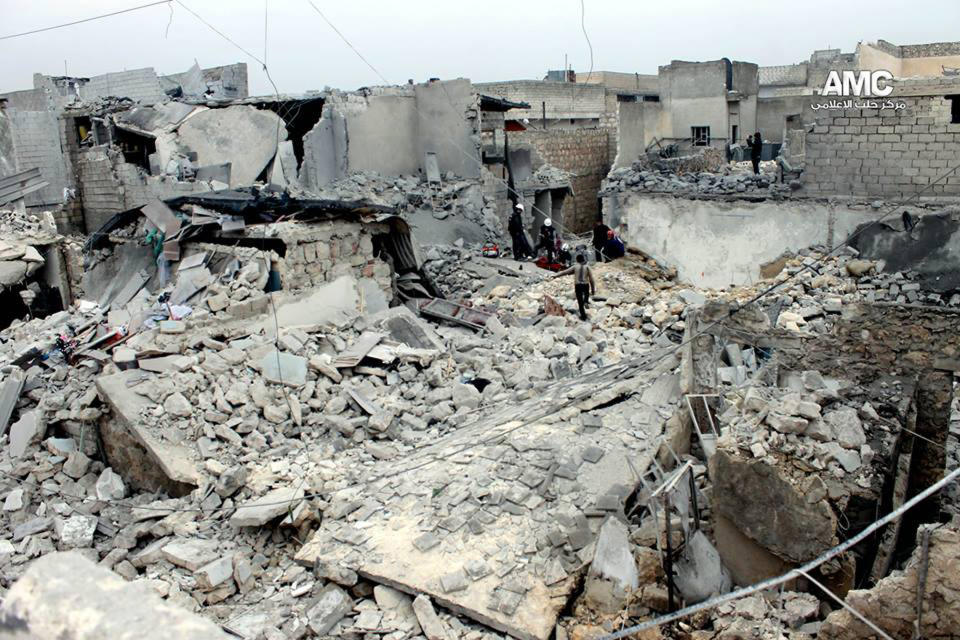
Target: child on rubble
column 583, row 283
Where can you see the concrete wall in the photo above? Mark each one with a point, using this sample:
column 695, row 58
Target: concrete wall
column 871, row 152
column 624, row 81
column 36, row 138
column 715, row 243
column 564, row 100
column 141, row 85
column 694, row 94
column 383, row 136
column 910, row 60
column 640, row 123
column 582, row 152
column 449, row 116
column 391, row 132
column 772, row 114
column 28, row 100
column 8, row 155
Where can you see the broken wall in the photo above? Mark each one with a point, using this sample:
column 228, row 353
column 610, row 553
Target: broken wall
column 885, row 152
column 560, row 100
column 581, row 152
column 228, row 82
column 141, row 85
column 718, row 242
column 640, row 123
column 107, row 185
column 8, row 156
column 449, row 123
column 36, row 139
column 391, row 131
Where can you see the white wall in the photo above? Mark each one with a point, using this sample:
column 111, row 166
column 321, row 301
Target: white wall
column 715, row 243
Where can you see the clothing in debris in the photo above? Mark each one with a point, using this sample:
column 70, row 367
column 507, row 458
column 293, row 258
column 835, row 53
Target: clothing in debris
column 613, row 248
column 583, row 283
column 600, row 231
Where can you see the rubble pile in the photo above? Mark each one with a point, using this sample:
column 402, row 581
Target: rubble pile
column 451, row 196
column 703, row 159
column 693, row 183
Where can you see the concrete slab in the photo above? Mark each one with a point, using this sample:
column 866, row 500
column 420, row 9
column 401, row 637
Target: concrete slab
column 65, row 595
column 283, row 368
column 336, row 303
column 471, row 524
column 242, row 135
column 133, row 450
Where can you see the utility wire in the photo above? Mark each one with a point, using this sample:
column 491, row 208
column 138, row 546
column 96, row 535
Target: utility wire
column 70, row 24
column 790, row 575
column 220, row 33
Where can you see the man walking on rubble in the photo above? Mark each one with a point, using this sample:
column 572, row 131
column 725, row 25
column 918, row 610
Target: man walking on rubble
column 755, row 142
column 583, row 283
column 521, row 248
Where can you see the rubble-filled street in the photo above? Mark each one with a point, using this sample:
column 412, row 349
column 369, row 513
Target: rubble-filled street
column 533, row 359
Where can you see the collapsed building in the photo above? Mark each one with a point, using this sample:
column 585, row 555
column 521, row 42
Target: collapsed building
column 278, row 390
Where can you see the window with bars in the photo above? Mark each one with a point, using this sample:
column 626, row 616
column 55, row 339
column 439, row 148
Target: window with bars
column 700, row 136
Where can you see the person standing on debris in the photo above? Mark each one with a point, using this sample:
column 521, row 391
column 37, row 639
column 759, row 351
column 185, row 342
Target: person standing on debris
column 583, row 283
column 521, row 248
column 755, row 142
column 548, row 240
column 613, row 248
column 600, row 231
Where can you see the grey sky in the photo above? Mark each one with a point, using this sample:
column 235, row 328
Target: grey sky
column 419, row 39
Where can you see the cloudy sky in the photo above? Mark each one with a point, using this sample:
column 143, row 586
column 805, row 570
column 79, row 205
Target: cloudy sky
column 419, row 39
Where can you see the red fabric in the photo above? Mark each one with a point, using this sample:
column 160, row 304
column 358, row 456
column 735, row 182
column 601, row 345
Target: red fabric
column 549, row 266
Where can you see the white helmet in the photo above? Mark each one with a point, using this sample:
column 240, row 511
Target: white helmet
column 566, row 247
column 518, row 206
column 548, row 222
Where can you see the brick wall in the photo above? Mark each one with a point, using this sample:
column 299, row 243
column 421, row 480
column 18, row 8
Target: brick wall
column 870, row 152
column 582, row 152
column 36, row 141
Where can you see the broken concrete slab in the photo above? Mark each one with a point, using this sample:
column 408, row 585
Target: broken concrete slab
column 283, row 368
column 335, row 304
column 266, row 508
column 132, row 450
column 65, row 595
column 242, row 135
column 330, row 608
column 167, row 364
column 747, row 491
column 700, row 571
column 28, row 430
column 191, row 554
column 389, row 546
column 75, row 532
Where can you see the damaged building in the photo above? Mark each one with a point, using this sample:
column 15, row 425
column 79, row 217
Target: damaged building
column 267, row 369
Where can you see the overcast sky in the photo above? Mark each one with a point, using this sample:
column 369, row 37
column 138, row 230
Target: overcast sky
column 419, row 39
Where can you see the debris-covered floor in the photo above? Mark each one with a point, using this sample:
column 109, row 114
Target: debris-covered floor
column 310, row 461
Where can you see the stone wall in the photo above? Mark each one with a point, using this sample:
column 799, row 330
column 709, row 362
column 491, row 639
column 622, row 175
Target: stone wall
column 585, row 154
column 323, row 252
column 891, row 153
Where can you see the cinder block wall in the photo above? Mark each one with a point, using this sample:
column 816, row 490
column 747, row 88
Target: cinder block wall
column 895, row 154
column 36, row 140
column 582, row 152
column 564, row 99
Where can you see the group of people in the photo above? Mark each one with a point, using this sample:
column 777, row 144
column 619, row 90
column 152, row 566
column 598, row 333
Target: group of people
column 606, row 245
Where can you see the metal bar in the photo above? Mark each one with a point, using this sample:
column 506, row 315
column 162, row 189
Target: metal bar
column 880, row 632
column 693, row 499
column 669, row 562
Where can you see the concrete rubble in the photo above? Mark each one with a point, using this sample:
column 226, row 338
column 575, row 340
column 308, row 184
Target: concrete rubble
column 289, row 386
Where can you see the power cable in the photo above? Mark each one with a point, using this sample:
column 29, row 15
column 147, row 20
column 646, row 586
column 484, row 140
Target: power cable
column 70, row 24
column 792, row 574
